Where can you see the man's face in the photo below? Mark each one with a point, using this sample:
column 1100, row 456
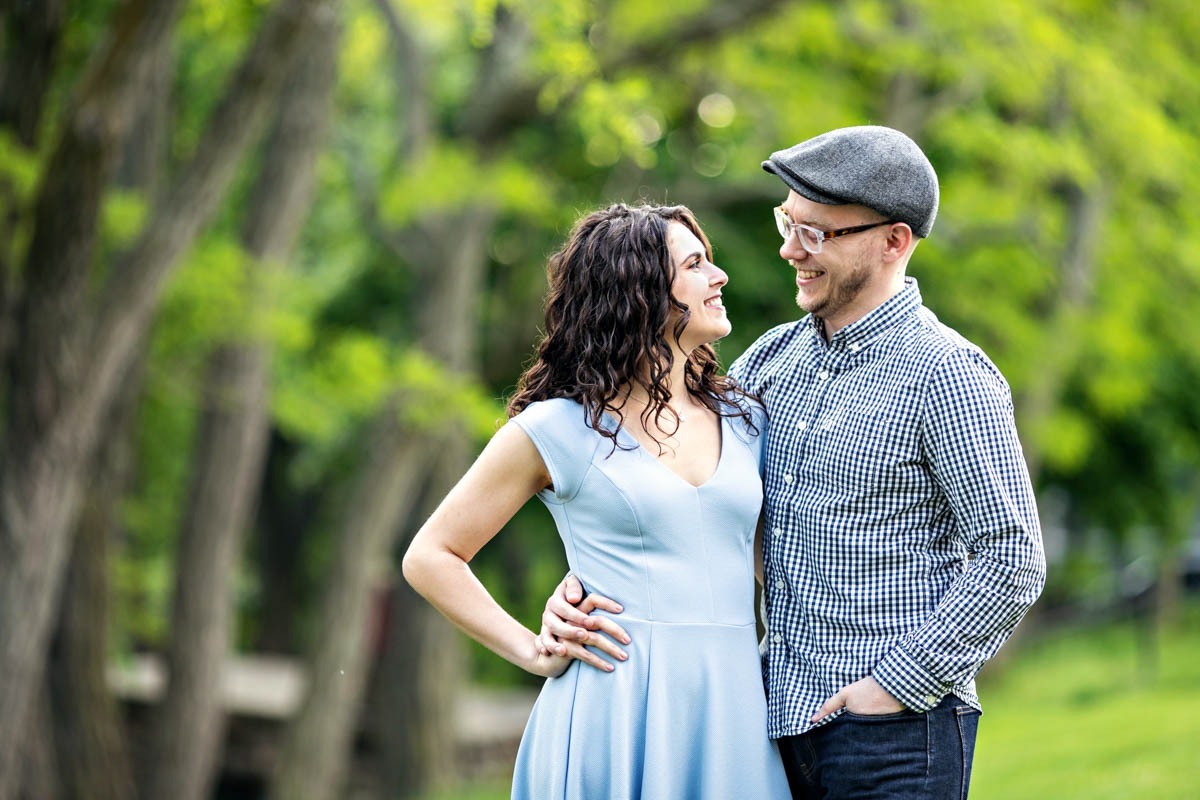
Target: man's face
column 835, row 284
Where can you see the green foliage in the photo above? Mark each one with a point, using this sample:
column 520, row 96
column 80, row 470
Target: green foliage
column 435, row 397
column 143, row 574
column 450, row 178
column 122, row 217
column 1029, row 109
column 18, row 166
column 341, row 382
column 327, row 391
column 19, row 170
column 209, row 302
column 211, row 38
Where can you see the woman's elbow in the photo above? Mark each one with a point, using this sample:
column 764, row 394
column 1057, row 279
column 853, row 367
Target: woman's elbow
column 415, row 567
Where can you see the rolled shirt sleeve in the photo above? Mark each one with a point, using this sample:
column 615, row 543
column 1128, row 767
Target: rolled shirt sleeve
column 970, row 443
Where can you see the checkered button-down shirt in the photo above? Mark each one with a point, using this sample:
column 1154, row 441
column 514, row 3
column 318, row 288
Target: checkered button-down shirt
column 901, row 537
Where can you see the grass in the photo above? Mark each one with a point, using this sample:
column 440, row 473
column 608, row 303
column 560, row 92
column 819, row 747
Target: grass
column 1076, row 713
column 481, row 791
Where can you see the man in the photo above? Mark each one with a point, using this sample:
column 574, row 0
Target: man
column 900, row 536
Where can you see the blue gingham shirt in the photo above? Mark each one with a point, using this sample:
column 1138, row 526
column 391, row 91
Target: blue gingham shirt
column 901, row 537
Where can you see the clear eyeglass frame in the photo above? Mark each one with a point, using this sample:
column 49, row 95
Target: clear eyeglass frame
column 812, row 238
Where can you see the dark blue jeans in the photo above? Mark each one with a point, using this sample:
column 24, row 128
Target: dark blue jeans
column 893, row 756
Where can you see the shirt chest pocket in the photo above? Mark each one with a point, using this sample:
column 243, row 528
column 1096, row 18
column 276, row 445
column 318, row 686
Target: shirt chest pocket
column 866, row 449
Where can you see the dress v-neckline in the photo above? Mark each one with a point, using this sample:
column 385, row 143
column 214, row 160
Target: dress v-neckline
column 637, row 445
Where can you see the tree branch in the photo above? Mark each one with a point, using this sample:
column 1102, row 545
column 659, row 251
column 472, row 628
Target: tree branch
column 715, row 22
column 190, row 202
column 411, row 78
column 513, row 102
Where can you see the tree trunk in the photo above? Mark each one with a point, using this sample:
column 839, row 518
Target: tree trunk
column 280, row 530
column 187, row 731
column 31, row 34
column 319, row 740
column 420, row 671
column 386, row 487
column 89, row 732
column 142, row 165
column 34, row 30
column 1086, row 211
column 47, row 441
column 39, row 773
column 65, row 370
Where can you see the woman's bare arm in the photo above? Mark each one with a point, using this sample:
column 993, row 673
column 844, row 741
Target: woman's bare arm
column 506, row 475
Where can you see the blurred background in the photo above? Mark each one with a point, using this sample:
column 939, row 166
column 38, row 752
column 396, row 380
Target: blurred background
column 269, row 269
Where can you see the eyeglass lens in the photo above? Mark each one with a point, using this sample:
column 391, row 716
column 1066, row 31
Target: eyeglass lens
column 810, row 239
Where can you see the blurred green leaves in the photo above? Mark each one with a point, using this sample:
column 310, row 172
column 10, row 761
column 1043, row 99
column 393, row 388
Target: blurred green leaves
column 1066, row 136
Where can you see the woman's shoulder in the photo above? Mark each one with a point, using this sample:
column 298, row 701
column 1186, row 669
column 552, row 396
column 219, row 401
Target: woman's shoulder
column 556, row 427
column 555, row 416
column 745, row 414
column 554, row 408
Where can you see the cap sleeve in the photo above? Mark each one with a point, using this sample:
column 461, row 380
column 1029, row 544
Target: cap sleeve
column 566, row 444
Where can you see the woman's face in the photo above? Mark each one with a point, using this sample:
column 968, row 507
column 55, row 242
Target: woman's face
column 697, row 285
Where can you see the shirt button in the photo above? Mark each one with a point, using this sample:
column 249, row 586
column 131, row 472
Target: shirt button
column 823, row 375
column 777, row 638
column 778, row 531
column 854, row 348
column 931, row 699
column 778, row 584
column 787, row 477
column 802, row 424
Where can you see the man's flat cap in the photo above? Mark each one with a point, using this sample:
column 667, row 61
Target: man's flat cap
column 868, row 165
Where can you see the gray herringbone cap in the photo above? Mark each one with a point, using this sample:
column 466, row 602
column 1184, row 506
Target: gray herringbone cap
column 868, row 165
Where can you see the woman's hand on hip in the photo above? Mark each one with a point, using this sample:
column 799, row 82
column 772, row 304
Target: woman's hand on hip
column 569, row 629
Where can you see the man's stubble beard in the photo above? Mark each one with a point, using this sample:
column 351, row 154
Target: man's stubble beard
column 842, row 292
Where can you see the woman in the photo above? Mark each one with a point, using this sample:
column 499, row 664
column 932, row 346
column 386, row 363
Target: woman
column 649, row 464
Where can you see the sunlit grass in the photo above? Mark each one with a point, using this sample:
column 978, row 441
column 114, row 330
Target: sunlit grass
column 1080, row 715
column 483, row 791
column 1076, row 713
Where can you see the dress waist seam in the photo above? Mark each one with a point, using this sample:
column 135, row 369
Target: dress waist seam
column 619, row 618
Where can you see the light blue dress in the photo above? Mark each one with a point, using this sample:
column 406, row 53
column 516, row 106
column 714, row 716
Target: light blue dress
column 685, row 717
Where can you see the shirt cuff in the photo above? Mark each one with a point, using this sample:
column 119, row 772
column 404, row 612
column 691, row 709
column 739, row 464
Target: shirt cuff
column 905, row 679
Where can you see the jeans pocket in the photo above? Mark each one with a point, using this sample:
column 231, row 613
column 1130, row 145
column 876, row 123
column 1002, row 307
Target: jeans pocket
column 877, row 755
column 897, row 716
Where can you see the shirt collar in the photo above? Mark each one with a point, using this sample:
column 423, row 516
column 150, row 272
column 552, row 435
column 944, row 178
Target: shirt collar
column 883, row 318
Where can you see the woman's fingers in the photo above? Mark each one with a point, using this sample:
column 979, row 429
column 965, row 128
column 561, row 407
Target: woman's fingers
column 569, row 628
column 598, row 601
column 547, row 645
column 572, row 589
column 567, row 621
column 609, row 626
column 582, row 651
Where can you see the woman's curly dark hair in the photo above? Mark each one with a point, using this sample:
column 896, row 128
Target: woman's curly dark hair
column 608, row 306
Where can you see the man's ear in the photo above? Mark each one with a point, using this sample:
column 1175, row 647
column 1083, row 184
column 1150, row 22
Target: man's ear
column 899, row 241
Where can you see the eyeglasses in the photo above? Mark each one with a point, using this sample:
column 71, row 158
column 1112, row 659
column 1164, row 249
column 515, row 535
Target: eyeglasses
column 810, row 237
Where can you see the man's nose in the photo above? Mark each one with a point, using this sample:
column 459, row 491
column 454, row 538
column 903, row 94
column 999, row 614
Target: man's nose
column 792, row 250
